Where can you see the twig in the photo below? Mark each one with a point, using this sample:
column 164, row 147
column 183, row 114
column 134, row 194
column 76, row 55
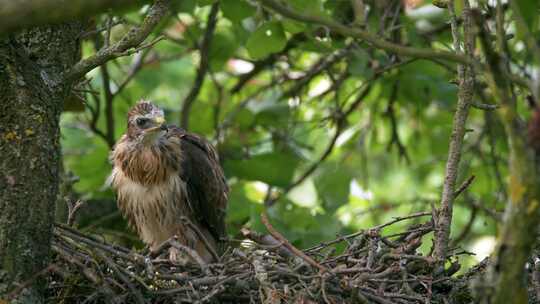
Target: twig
column 94, row 115
column 248, row 273
column 394, row 125
column 204, row 51
column 136, row 293
column 192, row 253
column 484, row 106
column 215, row 291
column 323, row 290
column 489, row 126
column 464, row 186
column 402, row 218
column 109, row 110
column 289, row 246
column 324, row 63
column 340, row 124
column 201, row 236
column 260, row 65
column 266, row 241
column 133, row 70
column 132, row 39
column 72, row 211
column 379, row 227
column 269, row 201
column 364, row 35
column 378, row 42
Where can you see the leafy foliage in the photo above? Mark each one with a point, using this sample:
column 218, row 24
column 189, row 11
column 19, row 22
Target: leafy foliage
column 275, row 93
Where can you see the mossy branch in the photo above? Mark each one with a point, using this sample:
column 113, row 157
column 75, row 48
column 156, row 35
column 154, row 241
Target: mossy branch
column 522, row 213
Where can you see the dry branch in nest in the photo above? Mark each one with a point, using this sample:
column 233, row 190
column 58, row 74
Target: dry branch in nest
column 373, row 268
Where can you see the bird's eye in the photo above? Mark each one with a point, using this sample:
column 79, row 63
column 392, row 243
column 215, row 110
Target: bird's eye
column 141, row 122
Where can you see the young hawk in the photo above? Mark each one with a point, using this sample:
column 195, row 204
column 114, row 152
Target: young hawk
column 163, row 175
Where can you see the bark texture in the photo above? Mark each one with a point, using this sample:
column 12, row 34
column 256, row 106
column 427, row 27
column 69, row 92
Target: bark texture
column 31, row 96
column 505, row 281
column 465, row 95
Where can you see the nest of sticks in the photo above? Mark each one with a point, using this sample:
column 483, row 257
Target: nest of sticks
column 373, row 268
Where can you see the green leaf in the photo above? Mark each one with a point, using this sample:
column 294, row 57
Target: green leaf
column 529, row 11
column 316, row 46
column 185, row 6
column 239, row 203
column 201, row 118
column 237, row 10
column 332, row 183
column 273, row 115
column 269, row 111
column 205, row 2
column 340, row 11
column 458, row 7
column 223, row 48
column 241, row 34
column 244, row 119
column 312, row 7
column 293, row 27
column 359, row 64
column 276, row 169
column 267, row 39
column 300, row 226
column 93, row 168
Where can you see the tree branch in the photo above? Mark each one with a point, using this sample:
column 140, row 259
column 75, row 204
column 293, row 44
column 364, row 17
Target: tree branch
column 341, row 121
column 465, row 94
column 323, row 63
column 131, row 40
column 395, row 140
column 109, row 110
column 364, row 35
column 260, row 65
column 374, row 40
column 289, row 246
column 204, row 51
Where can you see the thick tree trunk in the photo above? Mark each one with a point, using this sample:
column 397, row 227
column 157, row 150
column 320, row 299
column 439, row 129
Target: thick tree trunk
column 505, row 281
column 31, row 98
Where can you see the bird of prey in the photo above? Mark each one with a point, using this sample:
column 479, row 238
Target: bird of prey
column 164, row 175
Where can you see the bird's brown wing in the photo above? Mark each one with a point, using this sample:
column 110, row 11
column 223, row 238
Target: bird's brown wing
column 205, row 182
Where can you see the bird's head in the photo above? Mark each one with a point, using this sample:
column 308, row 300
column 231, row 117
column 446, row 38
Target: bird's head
column 146, row 123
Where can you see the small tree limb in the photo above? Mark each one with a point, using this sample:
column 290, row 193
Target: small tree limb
column 289, row 246
column 133, row 39
column 355, row 32
column 465, row 95
column 204, row 51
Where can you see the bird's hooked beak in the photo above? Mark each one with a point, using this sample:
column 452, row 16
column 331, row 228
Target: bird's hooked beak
column 151, row 135
column 159, row 123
